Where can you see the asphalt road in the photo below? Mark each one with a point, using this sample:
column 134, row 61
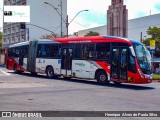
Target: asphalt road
column 38, row 93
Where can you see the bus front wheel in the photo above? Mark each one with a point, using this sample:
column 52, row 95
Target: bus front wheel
column 102, row 77
column 50, row 72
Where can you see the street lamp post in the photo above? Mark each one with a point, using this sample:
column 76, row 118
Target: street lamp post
column 61, row 18
column 67, row 24
column 60, row 14
column 65, row 21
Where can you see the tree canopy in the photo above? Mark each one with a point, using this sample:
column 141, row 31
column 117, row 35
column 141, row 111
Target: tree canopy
column 91, row 33
column 154, row 32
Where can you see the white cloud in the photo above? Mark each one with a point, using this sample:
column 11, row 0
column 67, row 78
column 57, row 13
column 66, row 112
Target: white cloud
column 74, row 6
column 143, row 6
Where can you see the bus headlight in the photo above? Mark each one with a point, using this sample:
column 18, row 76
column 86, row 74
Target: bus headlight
column 148, row 76
column 141, row 73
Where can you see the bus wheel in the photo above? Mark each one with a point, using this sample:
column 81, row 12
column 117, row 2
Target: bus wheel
column 102, row 77
column 50, row 72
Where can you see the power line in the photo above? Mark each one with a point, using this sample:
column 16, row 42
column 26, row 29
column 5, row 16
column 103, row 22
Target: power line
column 79, row 24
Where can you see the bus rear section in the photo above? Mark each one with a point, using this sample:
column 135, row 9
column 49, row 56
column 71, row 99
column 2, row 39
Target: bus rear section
column 16, row 57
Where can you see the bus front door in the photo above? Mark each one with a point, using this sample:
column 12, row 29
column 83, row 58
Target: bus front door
column 119, row 64
column 66, row 62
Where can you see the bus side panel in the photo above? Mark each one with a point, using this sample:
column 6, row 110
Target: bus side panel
column 10, row 63
column 32, row 52
column 84, row 68
column 41, row 65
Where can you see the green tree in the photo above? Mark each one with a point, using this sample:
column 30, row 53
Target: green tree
column 147, row 41
column 154, row 32
column 91, row 33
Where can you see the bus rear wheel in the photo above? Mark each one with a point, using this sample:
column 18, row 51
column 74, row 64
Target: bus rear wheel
column 102, row 77
column 50, row 72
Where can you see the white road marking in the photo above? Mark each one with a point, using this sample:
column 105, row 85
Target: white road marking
column 4, row 72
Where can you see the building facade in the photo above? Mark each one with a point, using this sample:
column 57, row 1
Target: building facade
column 41, row 16
column 117, row 19
column 135, row 27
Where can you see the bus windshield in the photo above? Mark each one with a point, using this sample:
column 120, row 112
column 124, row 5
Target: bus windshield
column 143, row 57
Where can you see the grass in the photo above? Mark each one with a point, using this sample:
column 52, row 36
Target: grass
column 156, row 76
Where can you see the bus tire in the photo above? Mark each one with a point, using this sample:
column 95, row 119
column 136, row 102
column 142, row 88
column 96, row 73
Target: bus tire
column 102, row 77
column 50, row 72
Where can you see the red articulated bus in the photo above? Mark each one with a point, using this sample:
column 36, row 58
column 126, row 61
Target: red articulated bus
column 104, row 58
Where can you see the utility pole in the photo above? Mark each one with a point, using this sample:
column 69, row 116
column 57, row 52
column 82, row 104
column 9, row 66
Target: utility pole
column 141, row 39
column 67, row 25
column 65, row 21
column 61, row 19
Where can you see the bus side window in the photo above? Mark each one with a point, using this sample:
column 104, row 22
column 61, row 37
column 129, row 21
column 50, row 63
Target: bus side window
column 54, row 51
column 17, row 53
column 78, row 51
column 26, row 51
column 103, row 51
column 41, row 53
column 10, row 52
column 88, row 51
column 13, row 52
column 59, row 51
column 132, row 64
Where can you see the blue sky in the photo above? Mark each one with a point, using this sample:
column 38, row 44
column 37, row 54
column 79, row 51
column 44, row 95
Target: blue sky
column 157, row 6
column 96, row 16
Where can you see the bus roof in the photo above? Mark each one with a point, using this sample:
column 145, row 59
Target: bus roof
column 88, row 39
column 41, row 41
column 19, row 44
column 85, row 39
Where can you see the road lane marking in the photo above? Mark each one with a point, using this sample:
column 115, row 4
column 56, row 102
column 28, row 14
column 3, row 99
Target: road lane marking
column 4, row 72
